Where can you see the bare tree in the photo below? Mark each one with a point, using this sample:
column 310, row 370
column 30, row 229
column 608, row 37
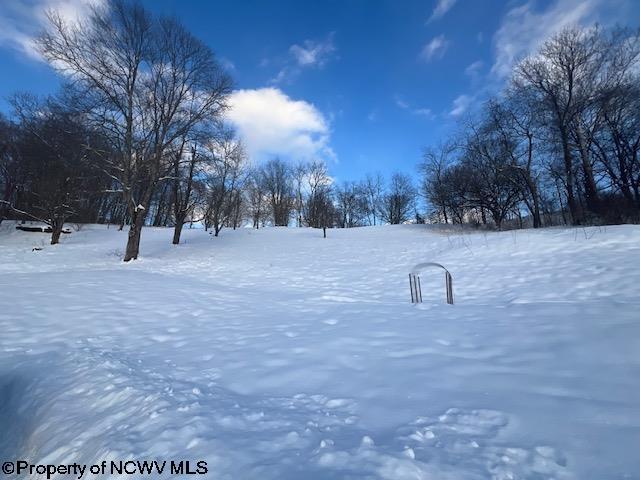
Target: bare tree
column 488, row 157
column 514, row 123
column 222, row 178
column 398, row 202
column 617, row 145
column 561, row 74
column 300, row 171
column 55, row 149
column 351, row 205
column 434, row 166
column 318, row 192
column 373, row 186
column 256, row 198
column 277, row 182
column 147, row 82
column 187, row 170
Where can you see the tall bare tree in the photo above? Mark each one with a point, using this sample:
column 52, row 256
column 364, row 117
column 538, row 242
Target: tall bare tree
column 147, row 82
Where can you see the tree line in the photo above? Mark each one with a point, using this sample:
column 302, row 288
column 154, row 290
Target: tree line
column 560, row 145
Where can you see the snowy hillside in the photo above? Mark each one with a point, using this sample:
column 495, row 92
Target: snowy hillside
column 277, row 354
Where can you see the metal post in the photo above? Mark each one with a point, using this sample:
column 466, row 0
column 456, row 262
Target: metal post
column 415, row 288
column 411, row 287
column 449, row 286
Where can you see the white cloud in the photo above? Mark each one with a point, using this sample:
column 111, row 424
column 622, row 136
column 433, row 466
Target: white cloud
column 21, row 22
column 311, row 54
column 441, row 9
column 271, row 123
column 460, row 105
column 473, row 70
column 524, row 28
column 435, row 49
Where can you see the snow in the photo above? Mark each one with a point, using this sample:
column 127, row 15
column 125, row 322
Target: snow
column 277, row 354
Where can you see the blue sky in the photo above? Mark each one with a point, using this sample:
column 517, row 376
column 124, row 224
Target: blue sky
column 363, row 84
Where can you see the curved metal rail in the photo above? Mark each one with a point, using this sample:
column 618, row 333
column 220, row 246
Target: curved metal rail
column 416, row 289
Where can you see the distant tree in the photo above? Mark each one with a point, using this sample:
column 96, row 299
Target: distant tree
column 318, row 190
column 398, row 202
column 277, row 182
column 320, row 208
column 224, row 170
column 300, row 171
column 351, row 205
column 490, row 183
column 436, row 161
column 373, row 188
column 257, row 202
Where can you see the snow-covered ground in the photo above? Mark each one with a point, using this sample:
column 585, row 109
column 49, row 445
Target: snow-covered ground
column 277, row 354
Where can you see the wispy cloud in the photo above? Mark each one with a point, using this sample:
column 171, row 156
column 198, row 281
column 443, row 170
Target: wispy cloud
column 525, row 27
column 400, row 102
column 227, row 64
column 435, row 49
column 21, row 22
column 420, row 111
column 473, row 69
column 423, row 112
column 311, row 54
column 441, row 9
column 460, row 105
column 271, row 123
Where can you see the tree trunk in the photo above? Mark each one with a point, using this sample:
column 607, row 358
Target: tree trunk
column 177, row 230
column 535, row 200
column 590, row 189
column 568, row 171
column 564, row 218
column 133, row 240
column 537, row 219
column 56, row 230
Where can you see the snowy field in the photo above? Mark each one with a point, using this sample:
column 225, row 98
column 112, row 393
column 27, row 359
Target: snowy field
column 277, row 354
